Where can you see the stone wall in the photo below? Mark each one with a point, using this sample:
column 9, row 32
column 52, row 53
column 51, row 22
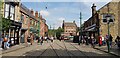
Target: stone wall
column 113, row 9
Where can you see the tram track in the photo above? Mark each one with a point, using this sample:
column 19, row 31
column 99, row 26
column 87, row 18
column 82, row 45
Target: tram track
column 54, row 50
column 79, row 50
column 65, row 48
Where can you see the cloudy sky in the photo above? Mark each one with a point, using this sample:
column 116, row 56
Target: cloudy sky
column 67, row 10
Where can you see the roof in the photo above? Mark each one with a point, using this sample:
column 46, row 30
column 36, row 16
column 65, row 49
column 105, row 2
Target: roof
column 69, row 24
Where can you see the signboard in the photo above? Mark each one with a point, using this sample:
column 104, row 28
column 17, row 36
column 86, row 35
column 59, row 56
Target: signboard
column 111, row 18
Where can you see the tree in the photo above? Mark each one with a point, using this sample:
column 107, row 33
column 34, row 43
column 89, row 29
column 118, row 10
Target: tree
column 59, row 32
column 6, row 23
column 51, row 32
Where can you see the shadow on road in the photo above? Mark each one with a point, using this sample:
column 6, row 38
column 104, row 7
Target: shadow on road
column 74, row 52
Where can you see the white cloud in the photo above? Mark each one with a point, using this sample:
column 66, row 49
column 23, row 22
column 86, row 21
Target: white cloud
column 61, row 19
column 59, row 22
column 44, row 13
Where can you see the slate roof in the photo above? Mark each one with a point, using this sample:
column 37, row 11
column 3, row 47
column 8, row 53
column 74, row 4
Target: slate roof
column 69, row 24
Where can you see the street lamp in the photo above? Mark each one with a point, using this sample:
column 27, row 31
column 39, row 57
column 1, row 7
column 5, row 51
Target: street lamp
column 109, row 20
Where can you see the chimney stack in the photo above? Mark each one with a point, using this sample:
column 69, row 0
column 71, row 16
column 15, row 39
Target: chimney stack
column 93, row 9
column 63, row 21
column 36, row 14
column 32, row 12
column 74, row 21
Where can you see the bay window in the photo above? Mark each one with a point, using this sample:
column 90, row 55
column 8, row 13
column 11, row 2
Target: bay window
column 12, row 13
column 9, row 11
column 6, row 10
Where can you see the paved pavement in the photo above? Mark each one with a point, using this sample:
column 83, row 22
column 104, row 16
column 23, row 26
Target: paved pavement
column 57, row 48
column 114, row 50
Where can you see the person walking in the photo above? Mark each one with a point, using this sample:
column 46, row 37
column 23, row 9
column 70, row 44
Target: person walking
column 1, row 40
column 47, row 38
column 89, row 40
column 92, row 41
column 5, row 42
column 38, row 40
column 52, row 39
column 31, row 38
column 110, row 40
column 117, row 40
column 86, row 39
column 41, row 40
column 103, row 41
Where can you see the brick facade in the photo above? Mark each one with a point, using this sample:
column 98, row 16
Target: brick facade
column 43, row 27
column 70, row 28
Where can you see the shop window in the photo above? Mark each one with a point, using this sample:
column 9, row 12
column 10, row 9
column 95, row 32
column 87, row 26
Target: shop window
column 9, row 10
column 6, row 10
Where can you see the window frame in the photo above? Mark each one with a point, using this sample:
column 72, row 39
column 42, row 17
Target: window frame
column 8, row 10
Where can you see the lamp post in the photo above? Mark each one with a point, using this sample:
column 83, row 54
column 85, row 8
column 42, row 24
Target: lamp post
column 108, row 22
column 80, row 28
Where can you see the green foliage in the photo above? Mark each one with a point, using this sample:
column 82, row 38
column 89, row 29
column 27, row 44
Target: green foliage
column 59, row 31
column 51, row 32
column 6, row 23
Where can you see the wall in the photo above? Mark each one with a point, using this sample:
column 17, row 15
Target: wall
column 113, row 9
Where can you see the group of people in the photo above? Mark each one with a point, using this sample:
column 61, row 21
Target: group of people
column 88, row 40
column 4, row 42
column 92, row 40
column 41, row 39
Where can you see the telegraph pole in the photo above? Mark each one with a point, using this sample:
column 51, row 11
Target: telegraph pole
column 39, row 25
column 80, row 34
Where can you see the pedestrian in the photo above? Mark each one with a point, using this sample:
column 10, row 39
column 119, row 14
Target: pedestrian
column 103, row 41
column 38, row 40
column 60, row 38
column 8, row 45
column 31, row 38
column 117, row 40
column 86, row 39
column 5, row 42
column 52, row 39
column 92, row 41
column 1, row 40
column 47, row 39
column 110, row 40
column 89, row 41
column 41, row 40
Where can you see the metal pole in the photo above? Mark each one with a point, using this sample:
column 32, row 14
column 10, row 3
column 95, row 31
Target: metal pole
column 39, row 28
column 108, row 30
column 108, row 38
column 80, row 28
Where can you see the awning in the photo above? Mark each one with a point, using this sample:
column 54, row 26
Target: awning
column 91, row 29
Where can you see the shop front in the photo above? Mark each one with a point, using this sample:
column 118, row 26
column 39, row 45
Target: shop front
column 93, row 30
column 14, row 33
